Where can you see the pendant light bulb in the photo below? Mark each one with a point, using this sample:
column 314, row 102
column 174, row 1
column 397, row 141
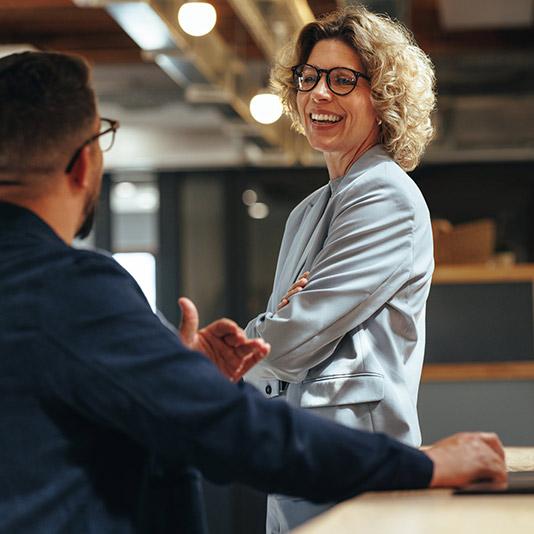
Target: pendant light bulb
column 266, row 108
column 197, row 18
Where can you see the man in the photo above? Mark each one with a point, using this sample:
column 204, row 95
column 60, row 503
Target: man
column 106, row 417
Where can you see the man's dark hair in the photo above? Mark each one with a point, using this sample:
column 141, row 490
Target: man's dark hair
column 47, row 106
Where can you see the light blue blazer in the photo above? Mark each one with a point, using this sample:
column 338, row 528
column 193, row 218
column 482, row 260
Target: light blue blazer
column 351, row 344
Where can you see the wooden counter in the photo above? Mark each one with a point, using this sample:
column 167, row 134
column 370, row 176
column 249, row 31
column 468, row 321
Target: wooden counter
column 483, row 274
column 433, row 511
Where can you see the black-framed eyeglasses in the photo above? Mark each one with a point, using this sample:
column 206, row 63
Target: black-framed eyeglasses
column 106, row 138
column 340, row 80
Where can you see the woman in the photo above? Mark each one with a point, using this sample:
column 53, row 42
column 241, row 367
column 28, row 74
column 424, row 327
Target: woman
column 347, row 340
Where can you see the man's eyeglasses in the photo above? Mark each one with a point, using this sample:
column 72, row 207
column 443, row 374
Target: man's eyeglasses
column 106, row 138
column 340, row 80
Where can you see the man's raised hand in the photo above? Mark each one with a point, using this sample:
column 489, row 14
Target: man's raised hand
column 222, row 341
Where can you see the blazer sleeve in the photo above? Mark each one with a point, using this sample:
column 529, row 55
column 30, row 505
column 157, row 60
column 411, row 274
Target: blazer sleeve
column 114, row 363
column 367, row 257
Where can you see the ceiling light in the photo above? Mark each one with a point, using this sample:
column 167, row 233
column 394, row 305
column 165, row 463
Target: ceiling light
column 127, row 197
column 266, row 108
column 148, row 200
column 249, row 197
column 125, row 190
column 258, row 210
column 197, row 18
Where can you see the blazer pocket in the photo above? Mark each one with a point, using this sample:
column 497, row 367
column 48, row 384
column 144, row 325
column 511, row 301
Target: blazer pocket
column 338, row 390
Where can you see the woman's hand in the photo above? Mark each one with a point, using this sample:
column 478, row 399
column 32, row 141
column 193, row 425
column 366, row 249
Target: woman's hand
column 299, row 285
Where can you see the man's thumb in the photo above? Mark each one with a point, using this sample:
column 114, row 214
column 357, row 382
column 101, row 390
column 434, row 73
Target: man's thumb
column 189, row 324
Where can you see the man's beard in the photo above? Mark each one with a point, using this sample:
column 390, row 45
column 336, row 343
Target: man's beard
column 87, row 225
column 89, row 218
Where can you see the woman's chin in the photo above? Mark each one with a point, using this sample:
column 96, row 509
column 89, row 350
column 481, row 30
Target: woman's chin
column 320, row 146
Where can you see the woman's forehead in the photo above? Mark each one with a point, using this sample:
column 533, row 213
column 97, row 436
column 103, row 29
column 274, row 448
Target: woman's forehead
column 328, row 53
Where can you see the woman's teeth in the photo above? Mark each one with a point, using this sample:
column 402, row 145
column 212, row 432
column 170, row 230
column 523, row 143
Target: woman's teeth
column 324, row 118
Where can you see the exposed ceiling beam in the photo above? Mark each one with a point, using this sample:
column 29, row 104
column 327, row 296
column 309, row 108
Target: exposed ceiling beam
column 220, row 66
column 223, row 69
column 300, row 12
column 253, row 19
column 34, row 4
column 59, row 25
column 271, row 27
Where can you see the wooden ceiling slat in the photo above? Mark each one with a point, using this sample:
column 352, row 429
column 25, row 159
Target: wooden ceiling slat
column 107, row 56
column 321, row 7
column 61, row 26
column 34, row 4
column 57, row 20
column 234, row 32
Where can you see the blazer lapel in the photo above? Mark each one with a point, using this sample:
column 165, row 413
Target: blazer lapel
column 303, row 241
column 314, row 245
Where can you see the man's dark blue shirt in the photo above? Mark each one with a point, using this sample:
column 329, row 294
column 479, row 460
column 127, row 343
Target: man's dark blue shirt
column 106, row 418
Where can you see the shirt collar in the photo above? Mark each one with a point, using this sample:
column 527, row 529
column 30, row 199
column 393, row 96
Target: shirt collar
column 14, row 218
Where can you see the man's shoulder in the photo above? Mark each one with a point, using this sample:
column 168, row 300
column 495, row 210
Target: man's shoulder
column 93, row 257
column 88, row 282
column 84, row 271
column 71, row 258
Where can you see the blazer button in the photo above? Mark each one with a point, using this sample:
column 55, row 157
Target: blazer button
column 268, row 389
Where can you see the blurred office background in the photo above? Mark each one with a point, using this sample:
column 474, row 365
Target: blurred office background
column 196, row 191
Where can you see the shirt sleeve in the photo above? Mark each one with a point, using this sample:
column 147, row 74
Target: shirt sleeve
column 367, row 257
column 114, row 363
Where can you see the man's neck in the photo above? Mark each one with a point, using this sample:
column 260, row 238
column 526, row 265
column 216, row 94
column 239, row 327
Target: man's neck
column 59, row 216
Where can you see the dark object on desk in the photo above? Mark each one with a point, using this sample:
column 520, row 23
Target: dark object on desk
column 518, row 482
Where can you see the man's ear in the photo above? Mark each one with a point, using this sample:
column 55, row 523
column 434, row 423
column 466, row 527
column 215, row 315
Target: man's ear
column 79, row 176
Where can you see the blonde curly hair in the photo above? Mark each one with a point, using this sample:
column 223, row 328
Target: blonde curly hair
column 402, row 76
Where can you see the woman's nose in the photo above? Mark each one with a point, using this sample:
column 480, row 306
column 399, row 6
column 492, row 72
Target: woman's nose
column 321, row 91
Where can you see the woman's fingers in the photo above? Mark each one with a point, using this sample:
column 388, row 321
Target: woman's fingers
column 298, row 286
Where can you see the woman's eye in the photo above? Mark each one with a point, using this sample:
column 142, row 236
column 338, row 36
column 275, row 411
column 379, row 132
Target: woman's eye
column 345, row 81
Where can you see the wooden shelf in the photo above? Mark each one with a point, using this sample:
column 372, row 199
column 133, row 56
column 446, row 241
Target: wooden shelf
column 483, row 274
column 434, row 372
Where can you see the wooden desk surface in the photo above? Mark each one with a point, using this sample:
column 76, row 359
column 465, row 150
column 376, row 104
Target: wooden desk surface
column 433, row 511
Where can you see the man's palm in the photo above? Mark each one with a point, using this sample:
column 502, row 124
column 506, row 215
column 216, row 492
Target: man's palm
column 222, row 341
